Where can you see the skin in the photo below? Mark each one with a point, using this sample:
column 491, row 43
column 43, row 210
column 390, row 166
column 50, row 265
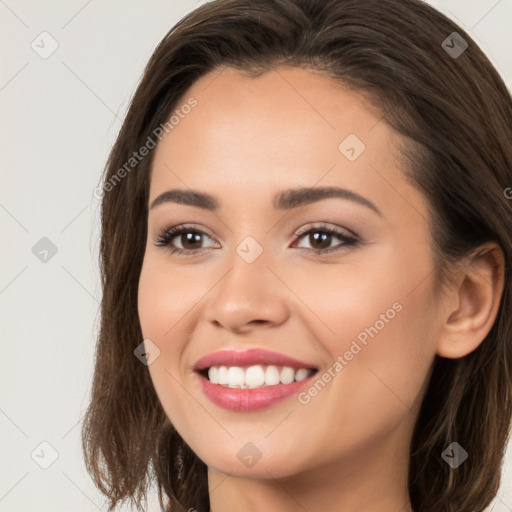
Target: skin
column 247, row 139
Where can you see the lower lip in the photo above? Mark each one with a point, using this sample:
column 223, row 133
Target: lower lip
column 244, row 400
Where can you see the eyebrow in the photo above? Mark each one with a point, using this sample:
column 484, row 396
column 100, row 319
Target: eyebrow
column 284, row 200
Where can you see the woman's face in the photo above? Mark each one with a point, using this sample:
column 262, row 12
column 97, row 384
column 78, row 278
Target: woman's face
column 259, row 271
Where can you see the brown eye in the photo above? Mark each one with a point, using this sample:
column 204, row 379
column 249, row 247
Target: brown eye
column 320, row 239
column 189, row 238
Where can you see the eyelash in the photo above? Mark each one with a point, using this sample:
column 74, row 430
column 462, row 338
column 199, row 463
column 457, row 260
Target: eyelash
column 169, row 234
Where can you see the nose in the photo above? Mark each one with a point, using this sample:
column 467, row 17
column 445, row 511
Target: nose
column 249, row 296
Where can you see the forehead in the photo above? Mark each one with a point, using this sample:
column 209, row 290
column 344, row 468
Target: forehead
column 290, row 103
column 290, row 127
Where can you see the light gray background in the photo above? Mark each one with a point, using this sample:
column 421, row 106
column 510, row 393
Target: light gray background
column 59, row 118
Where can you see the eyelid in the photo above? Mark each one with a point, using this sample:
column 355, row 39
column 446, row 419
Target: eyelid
column 324, row 225
column 175, row 230
column 348, row 238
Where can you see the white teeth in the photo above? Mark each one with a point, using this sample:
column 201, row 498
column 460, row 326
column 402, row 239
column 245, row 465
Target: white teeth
column 287, row 375
column 236, row 376
column 301, row 374
column 223, row 375
column 271, row 375
column 213, row 375
column 255, row 376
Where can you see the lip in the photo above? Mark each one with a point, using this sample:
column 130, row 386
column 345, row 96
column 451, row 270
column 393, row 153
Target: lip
column 250, row 357
column 245, row 400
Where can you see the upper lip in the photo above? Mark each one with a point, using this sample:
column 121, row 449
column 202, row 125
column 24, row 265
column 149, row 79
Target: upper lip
column 248, row 357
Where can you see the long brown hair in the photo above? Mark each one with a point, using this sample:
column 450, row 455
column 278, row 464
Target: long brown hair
column 455, row 114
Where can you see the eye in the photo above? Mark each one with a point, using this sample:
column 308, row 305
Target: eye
column 322, row 236
column 189, row 243
column 190, row 238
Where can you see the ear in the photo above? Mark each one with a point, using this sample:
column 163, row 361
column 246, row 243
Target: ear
column 472, row 302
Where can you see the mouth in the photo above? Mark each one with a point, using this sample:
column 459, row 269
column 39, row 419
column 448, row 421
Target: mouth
column 251, row 380
column 254, row 377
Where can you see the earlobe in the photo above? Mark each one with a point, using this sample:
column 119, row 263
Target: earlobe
column 476, row 295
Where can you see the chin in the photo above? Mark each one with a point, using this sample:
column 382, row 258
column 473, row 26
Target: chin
column 250, row 462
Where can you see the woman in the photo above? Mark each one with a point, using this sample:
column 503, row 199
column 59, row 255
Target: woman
column 370, row 369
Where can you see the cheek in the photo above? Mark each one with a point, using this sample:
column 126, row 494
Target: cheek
column 385, row 349
column 166, row 296
column 381, row 322
column 168, row 308
column 385, row 302
column 159, row 310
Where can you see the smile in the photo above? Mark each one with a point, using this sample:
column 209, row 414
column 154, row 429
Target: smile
column 257, row 376
column 251, row 380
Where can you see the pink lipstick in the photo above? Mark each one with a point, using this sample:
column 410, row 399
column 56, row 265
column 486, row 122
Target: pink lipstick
column 251, row 380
